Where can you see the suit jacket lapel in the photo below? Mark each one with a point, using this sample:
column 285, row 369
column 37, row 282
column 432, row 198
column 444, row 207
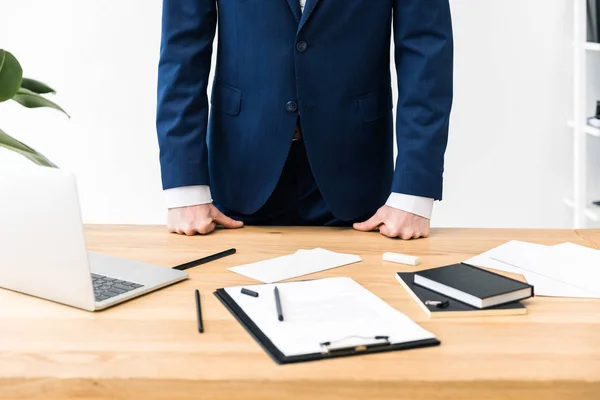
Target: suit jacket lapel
column 309, row 7
column 296, row 10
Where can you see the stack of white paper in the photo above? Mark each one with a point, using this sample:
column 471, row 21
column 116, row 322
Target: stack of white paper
column 564, row 270
column 303, row 262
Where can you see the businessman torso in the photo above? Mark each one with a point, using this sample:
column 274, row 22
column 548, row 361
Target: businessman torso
column 327, row 66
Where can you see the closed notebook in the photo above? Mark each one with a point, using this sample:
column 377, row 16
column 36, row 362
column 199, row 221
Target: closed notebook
column 455, row 308
column 474, row 286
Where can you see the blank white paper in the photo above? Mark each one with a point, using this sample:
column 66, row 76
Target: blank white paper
column 487, row 259
column 563, row 270
column 574, row 270
column 336, row 310
column 303, row 262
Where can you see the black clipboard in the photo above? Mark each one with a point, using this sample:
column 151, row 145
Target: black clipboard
column 380, row 343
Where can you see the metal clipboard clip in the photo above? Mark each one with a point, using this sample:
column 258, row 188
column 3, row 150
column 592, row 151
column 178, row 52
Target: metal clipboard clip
column 334, row 347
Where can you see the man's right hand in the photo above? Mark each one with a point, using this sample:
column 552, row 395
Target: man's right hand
column 201, row 219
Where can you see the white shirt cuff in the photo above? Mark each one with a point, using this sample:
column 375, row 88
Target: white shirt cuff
column 422, row 206
column 187, row 196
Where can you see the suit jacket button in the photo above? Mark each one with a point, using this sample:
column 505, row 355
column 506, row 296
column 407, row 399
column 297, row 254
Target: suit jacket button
column 291, row 106
column 301, row 46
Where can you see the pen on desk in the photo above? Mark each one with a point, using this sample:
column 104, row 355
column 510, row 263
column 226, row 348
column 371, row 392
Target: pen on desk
column 205, row 260
column 278, row 304
column 199, row 312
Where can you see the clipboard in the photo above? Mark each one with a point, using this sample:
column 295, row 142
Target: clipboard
column 332, row 348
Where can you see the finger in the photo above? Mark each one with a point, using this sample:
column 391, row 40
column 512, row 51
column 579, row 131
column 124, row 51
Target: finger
column 171, row 226
column 228, row 222
column 385, row 230
column 369, row 224
column 189, row 231
column 420, row 234
column 407, row 234
column 206, row 228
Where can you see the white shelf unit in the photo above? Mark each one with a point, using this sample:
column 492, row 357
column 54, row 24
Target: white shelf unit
column 592, row 46
column 584, row 211
column 591, row 212
column 590, row 130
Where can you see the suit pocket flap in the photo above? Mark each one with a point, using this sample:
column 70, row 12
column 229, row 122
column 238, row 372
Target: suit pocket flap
column 375, row 105
column 226, row 98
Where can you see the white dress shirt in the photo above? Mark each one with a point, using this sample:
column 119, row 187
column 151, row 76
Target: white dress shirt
column 194, row 195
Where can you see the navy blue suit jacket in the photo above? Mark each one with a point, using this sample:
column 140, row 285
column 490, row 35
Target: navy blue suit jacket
column 328, row 66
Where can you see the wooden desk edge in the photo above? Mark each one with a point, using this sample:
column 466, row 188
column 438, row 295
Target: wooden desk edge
column 150, row 389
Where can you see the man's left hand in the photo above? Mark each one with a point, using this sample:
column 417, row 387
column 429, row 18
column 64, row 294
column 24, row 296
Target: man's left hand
column 395, row 223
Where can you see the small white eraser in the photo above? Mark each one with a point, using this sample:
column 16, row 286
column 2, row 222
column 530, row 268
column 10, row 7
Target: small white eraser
column 401, row 258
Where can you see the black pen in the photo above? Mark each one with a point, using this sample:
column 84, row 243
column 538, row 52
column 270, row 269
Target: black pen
column 205, row 260
column 278, row 304
column 199, row 312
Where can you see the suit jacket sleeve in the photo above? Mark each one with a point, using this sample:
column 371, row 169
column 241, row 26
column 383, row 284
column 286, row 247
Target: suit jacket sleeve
column 188, row 31
column 424, row 64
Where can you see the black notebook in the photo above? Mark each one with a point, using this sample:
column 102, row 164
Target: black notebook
column 321, row 319
column 454, row 308
column 474, row 286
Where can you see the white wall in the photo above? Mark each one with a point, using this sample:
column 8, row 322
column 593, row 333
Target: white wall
column 510, row 153
column 508, row 161
column 101, row 57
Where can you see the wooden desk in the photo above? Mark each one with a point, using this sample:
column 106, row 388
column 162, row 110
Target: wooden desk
column 149, row 348
column 591, row 236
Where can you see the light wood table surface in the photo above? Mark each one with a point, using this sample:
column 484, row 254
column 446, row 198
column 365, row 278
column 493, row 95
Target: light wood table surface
column 592, row 236
column 149, row 348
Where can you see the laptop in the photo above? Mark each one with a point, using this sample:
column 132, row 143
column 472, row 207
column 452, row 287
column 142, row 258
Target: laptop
column 43, row 250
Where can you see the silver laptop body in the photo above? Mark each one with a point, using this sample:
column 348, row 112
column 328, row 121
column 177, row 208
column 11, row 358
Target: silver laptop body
column 43, row 250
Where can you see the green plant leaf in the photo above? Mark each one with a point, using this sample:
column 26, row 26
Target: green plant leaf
column 11, row 75
column 29, row 99
column 10, row 143
column 36, row 86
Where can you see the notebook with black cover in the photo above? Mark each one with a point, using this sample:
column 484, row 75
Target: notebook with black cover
column 324, row 318
column 455, row 308
column 472, row 285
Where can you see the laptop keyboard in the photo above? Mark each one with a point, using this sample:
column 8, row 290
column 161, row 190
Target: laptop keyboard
column 106, row 287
